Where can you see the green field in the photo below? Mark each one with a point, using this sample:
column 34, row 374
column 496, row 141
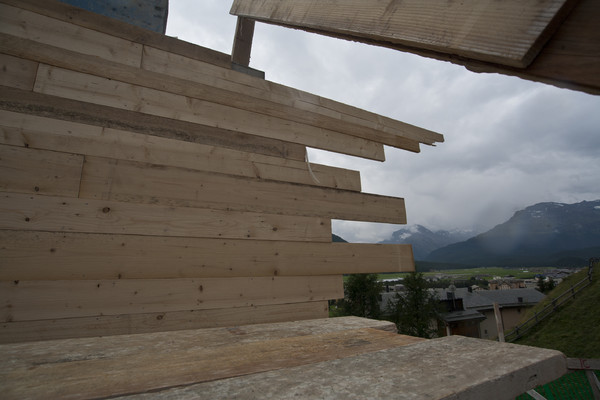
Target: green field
column 574, row 328
column 483, row 273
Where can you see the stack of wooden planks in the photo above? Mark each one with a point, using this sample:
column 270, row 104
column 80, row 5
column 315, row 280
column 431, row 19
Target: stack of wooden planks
column 146, row 186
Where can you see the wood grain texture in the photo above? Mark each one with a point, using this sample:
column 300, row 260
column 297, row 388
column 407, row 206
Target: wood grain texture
column 39, row 172
column 188, row 51
column 35, row 300
column 165, row 81
column 109, row 325
column 386, row 130
column 173, row 363
column 570, row 59
column 25, row 24
column 117, row 94
column 119, row 180
column 30, row 103
column 93, row 21
column 242, row 42
column 16, row 72
column 31, row 255
column 31, row 131
column 61, row 214
column 509, row 33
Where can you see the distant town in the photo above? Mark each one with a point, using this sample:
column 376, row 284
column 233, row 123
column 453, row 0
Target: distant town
column 468, row 297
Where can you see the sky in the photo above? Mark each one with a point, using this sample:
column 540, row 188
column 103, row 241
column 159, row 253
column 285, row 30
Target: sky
column 509, row 143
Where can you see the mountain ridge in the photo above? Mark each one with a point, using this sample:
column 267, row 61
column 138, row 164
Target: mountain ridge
column 424, row 241
column 542, row 234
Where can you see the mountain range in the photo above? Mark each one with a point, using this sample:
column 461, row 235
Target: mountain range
column 550, row 234
column 424, row 241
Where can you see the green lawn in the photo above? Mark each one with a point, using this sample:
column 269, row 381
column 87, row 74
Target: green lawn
column 575, row 328
column 484, row 272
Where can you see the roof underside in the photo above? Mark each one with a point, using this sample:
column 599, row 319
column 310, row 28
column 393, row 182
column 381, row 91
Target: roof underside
column 552, row 41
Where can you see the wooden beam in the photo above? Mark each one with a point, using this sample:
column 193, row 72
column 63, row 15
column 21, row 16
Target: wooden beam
column 28, row 25
column 237, row 96
column 50, row 214
column 39, row 172
column 193, row 70
column 109, row 179
column 126, row 324
column 51, row 134
column 507, row 33
column 31, row 255
column 17, row 72
column 207, row 84
column 20, row 101
column 570, row 57
column 96, row 22
column 36, row 300
column 68, row 84
column 242, row 41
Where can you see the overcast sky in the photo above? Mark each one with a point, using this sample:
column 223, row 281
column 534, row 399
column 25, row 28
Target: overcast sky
column 509, row 143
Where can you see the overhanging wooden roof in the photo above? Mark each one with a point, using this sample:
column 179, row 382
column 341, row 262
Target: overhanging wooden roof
column 552, row 41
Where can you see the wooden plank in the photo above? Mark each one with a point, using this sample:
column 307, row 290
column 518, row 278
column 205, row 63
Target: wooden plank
column 39, row 172
column 570, row 59
column 507, row 33
column 173, row 363
column 235, row 97
column 50, row 134
column 583, row 363
column 386, row 130
column 28, row 25
column 61, row 214
column 108, row 325
column 35, row 300
column 74, row 15
column 228, row 91
column 112, row 93
column 392, row 136
column 242, row 42
column 214, row 336
column 119, row 180
column 16, row 72
column 30, row 255
column 91, row 114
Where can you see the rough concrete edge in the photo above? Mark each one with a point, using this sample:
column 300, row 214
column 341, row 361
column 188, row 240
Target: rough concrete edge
column 512, row 384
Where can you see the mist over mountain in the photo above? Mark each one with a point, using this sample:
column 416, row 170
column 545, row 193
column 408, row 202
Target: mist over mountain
column 543, row 234
column 424, row 241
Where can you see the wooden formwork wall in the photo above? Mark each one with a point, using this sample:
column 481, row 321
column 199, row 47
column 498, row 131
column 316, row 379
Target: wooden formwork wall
column 146, row 186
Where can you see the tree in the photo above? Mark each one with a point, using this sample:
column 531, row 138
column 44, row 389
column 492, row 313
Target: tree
column 545, row 286
column 361, row 296
column 541, row 285
column 415, row 310
column 551, row 284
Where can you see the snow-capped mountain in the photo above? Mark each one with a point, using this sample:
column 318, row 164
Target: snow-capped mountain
column 542, row 234
column 424, row 241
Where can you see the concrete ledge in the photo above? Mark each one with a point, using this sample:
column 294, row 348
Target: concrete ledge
column 452, row 367
column 333, row 358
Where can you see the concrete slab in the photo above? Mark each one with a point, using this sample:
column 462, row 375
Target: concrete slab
column 452, row 367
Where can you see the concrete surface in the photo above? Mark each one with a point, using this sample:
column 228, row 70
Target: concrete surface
column 452, row 367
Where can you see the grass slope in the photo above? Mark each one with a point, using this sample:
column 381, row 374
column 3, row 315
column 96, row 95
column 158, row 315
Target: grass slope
column 575, row 328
